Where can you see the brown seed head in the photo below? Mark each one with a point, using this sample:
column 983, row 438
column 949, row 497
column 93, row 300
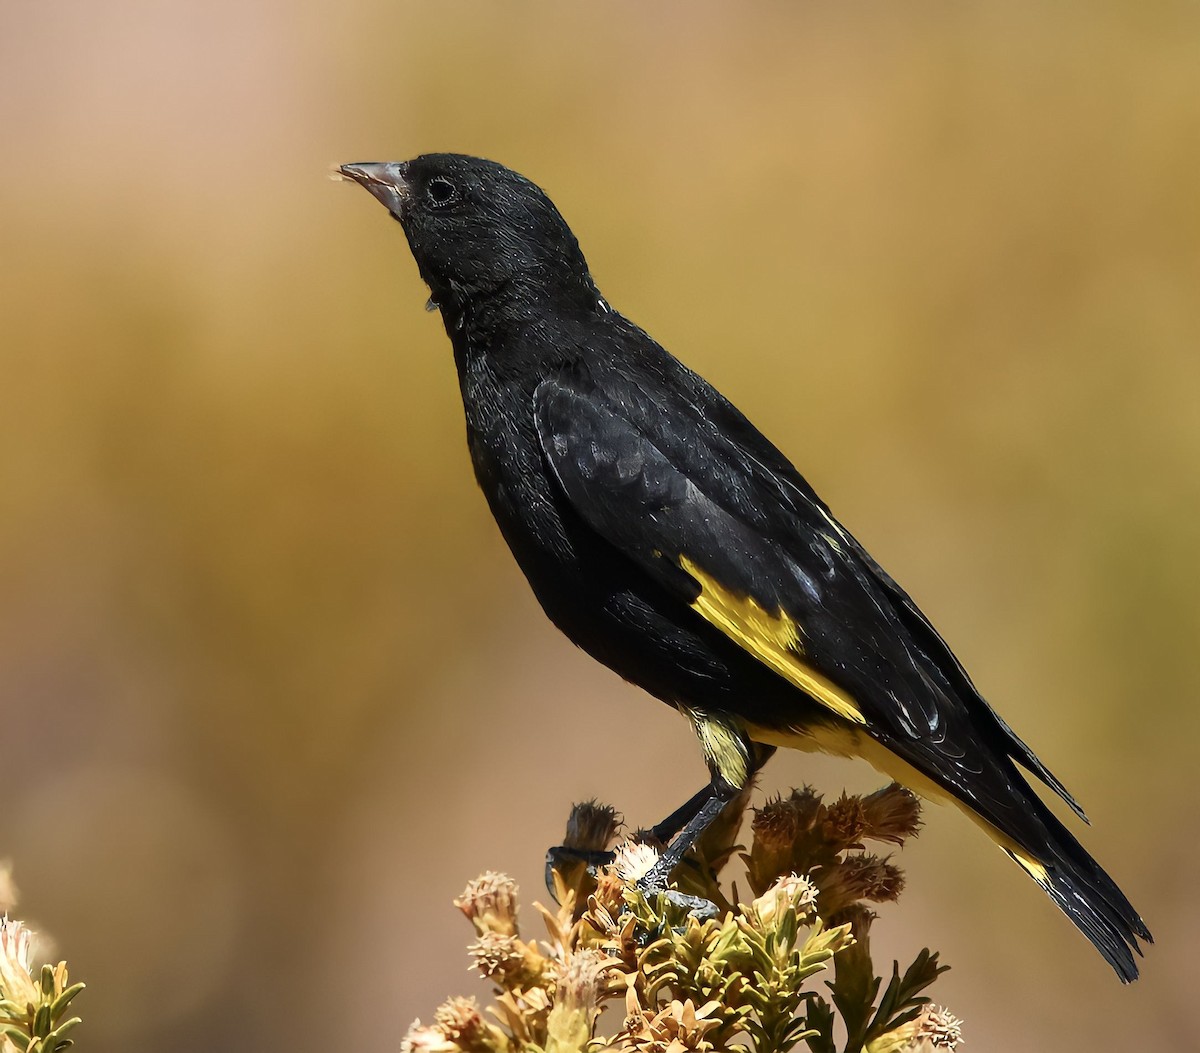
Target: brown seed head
column 777, row 828
column 845, row 822
column 875, row 878
column 892, row 814
column 508, row 961
column 591, row 826
column 859, row 916
column 490, row 903
column 859, row 876
column 775, row 825
column 807, row 805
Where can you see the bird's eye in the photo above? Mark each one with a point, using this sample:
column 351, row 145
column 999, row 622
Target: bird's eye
column 441, row 192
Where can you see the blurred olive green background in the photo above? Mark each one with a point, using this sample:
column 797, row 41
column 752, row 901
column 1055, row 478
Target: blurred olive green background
column 272, row 687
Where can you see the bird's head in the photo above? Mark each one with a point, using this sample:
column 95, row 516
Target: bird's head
column 480, row 231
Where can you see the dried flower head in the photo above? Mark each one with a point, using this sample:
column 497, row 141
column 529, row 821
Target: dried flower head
column 461, row 1022
column 776, row 824
column 780, row 828
column 859, row 876
column 774, row 831
column 790, row 892
column 591, row 827
column 508, row 961
column 892, row 814
column 845, row 822
column 936, row 1029
column 582, row 985
column 806, row 803
column 490, row 903
column 859, row 917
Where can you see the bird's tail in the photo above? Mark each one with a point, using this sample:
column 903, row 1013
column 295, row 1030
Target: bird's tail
column 1082, row 890
column 1003, row 803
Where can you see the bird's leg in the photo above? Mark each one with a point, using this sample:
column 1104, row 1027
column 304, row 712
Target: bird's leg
column 561, row 856
column 703, row 809
column 695, row 817
column 679, row 831
column 689, row 822
column 664, row 831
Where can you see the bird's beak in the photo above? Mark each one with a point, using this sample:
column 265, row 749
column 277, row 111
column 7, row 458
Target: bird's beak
column 384, row 179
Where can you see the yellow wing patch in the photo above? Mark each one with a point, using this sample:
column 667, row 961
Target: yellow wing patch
column 774, row 639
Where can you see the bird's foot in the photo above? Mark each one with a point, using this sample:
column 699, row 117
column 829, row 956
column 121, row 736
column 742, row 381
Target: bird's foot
column 655, row 883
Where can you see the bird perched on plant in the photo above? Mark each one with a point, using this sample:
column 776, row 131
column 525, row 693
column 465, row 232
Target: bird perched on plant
column 667, row 537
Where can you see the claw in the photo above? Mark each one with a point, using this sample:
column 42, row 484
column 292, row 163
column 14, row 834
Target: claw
column 561, row 856
column 697, row 906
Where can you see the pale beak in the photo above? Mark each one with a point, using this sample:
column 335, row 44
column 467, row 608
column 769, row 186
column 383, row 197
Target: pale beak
column 384, row 179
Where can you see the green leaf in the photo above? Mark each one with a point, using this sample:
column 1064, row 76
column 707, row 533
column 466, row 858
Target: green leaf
column 854, row 988
column 63, row 1000
column 819, row 1019
column 42, row 1024
column 66, row 1027
column 902, row 1001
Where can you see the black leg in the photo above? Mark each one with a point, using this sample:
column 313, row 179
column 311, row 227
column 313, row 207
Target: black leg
column 663, row 832
column 689, row 821
column 711, row 800
column 682, row 815
column 678, row 831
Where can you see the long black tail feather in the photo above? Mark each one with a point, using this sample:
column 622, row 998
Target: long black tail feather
column 1089, row 897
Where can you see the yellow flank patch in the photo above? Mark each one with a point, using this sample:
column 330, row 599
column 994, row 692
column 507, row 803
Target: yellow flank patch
column 774, row 639
column 723, row 745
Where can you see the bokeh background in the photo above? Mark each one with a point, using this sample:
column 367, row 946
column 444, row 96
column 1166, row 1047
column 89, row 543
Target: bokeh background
column 272, row 689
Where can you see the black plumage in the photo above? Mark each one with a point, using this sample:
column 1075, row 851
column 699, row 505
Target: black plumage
column 667, row 537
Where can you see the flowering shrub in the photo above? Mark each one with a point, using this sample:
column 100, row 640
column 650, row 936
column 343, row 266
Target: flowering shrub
column 738, row 979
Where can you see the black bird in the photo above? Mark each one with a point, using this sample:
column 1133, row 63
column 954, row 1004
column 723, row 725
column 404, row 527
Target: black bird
column 667, row 537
